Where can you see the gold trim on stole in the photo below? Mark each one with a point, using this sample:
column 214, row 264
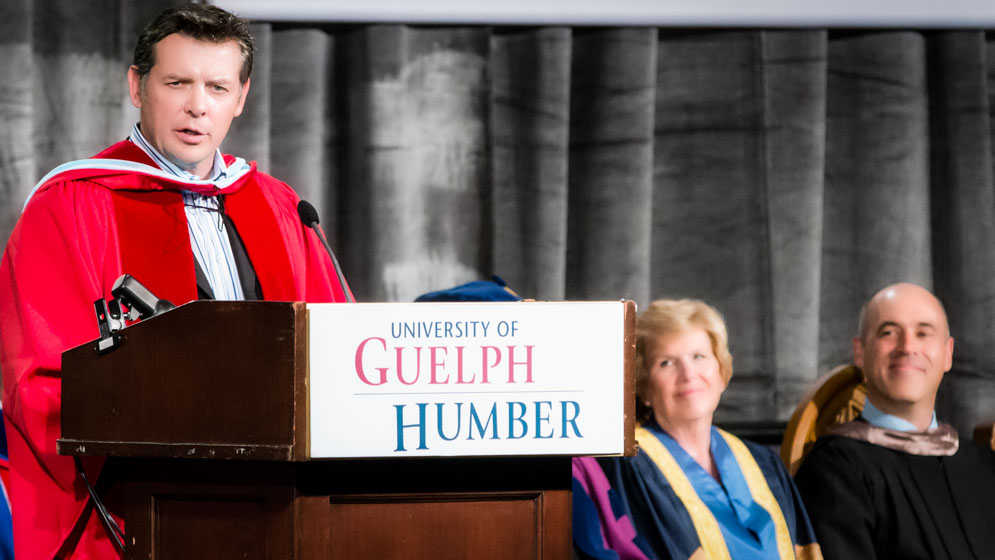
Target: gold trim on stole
column 709, row 534
column 761, row 493
column 811, row 551
column 705, row 524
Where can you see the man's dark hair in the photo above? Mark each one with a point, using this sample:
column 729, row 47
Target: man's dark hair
column 197, row 21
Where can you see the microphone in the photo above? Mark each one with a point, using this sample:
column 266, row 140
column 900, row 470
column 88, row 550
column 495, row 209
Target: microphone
column 133, row 294
column 137, row 301
column 309, row 217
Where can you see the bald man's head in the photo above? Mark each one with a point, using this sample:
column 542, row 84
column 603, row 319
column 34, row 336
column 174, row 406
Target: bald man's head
column 905, row 291
column 904, row 348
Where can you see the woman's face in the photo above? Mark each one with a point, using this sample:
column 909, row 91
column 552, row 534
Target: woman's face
column 684, row 379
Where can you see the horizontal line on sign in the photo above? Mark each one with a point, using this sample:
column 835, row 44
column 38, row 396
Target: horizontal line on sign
column 468, row 393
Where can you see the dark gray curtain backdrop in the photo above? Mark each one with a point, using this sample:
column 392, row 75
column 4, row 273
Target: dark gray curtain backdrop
column 783, row 176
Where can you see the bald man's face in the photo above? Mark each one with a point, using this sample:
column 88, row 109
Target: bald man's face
column 905, row 348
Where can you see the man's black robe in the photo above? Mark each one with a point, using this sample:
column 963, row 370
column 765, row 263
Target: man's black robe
column 867, row 501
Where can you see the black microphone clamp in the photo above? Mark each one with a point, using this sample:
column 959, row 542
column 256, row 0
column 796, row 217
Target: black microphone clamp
column 131, row 301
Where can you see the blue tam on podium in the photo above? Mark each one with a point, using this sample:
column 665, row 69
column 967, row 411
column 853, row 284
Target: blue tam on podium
column 478, row 290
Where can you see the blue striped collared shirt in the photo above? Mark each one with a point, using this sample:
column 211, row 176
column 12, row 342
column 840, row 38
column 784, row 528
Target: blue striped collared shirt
column 208, row 235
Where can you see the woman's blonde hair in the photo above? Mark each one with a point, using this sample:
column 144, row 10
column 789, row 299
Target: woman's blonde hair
column 668, row 316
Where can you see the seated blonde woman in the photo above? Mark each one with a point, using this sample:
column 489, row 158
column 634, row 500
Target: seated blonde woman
column 693, row 490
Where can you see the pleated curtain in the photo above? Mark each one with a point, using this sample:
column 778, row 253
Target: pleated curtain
column 782, row 175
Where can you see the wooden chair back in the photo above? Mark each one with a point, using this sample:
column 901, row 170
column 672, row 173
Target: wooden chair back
column 837, row 397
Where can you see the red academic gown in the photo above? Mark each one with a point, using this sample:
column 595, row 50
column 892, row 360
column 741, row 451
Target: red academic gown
column 79, row 232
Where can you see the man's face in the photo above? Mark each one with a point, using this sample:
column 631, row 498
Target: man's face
column 189, row 98
column 905, row 348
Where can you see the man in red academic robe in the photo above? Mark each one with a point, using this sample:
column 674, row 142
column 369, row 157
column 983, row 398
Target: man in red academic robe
column 164, row 206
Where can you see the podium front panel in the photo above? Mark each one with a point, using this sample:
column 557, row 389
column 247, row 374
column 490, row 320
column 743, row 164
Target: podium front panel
column 205, row 380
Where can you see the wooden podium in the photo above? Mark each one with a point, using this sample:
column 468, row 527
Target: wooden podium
column 203, row 415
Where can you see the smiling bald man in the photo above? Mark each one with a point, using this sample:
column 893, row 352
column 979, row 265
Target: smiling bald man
column 896, row 483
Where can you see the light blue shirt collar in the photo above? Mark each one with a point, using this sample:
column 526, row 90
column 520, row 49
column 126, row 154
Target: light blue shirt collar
column 889, row 421
column 218, row 171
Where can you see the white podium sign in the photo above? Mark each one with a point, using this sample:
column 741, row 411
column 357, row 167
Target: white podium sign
column 466, row 379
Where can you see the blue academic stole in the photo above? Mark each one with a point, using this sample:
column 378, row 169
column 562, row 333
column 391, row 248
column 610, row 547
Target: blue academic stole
column 710, row 537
